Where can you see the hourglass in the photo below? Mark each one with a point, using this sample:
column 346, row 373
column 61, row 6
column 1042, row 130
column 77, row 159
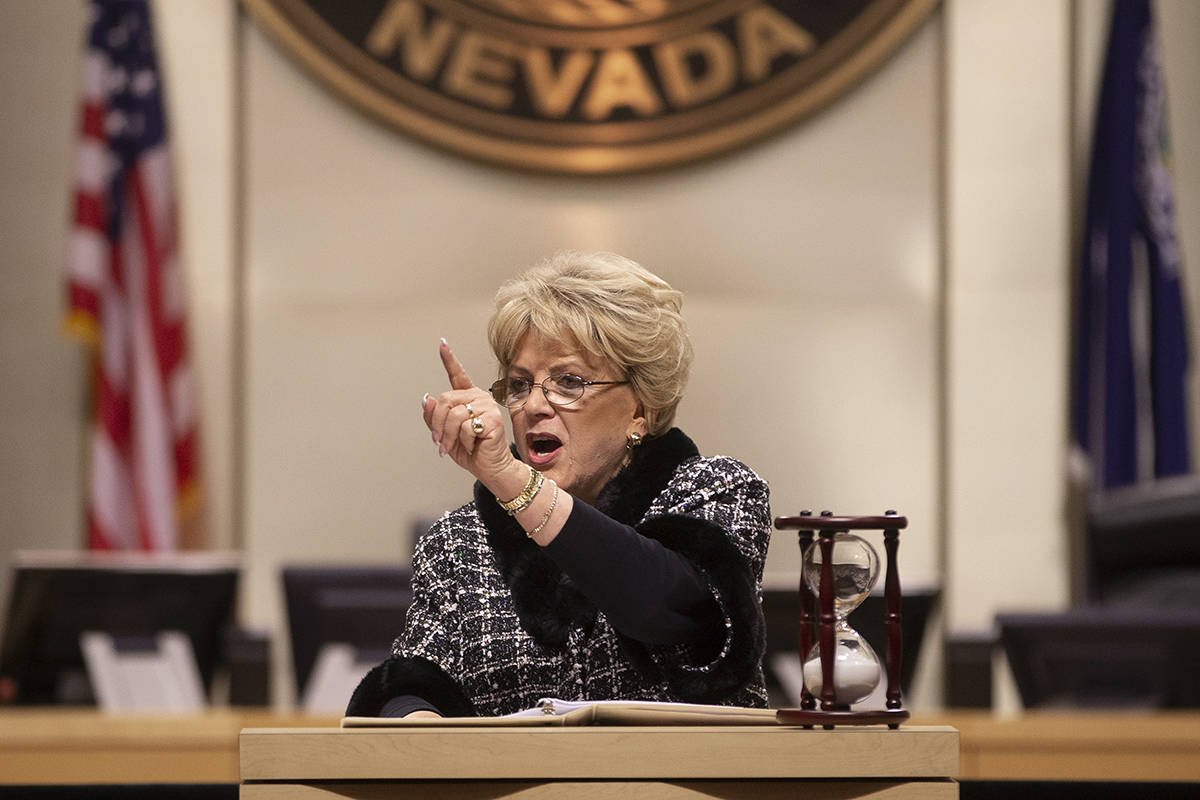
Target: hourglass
column 856, row 667
column 839, row 666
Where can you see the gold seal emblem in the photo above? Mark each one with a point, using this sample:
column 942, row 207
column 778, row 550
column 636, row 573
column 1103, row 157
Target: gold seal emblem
column 590, row 86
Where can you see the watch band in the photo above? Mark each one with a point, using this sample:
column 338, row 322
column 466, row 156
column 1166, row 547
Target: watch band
column 526, row 496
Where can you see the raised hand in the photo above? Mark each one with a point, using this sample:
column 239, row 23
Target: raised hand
column 467, row 424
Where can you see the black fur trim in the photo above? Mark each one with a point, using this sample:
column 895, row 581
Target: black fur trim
column 709, row 548
column 546, row 601
column 628, row 496
column 408, row 675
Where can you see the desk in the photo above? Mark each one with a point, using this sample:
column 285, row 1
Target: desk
column 1077, row 745
column 601, row 761
column 75, row 745
column 85, row 746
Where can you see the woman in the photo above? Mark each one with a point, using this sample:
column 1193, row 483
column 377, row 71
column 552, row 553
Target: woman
column 601, row 557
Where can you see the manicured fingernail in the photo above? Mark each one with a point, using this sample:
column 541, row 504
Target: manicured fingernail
column 445, row 342
column 424, row 400
column 441, row 450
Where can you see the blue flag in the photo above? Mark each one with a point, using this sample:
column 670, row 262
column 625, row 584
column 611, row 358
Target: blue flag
column 1129, row 404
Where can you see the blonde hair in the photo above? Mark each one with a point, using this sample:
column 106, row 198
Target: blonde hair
column 611, row 307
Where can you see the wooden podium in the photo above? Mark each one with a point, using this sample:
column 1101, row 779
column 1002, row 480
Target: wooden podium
column 591, row 762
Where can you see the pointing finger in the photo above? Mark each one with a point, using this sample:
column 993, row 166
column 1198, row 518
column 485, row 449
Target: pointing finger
column 459, row 379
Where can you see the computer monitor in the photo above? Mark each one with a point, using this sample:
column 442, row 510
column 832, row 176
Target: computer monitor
column 362, row 606
column 1142, row 547
column 59, row 595
column 1105, row 656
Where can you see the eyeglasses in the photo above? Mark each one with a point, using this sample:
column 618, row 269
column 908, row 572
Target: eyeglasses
column 560, row 390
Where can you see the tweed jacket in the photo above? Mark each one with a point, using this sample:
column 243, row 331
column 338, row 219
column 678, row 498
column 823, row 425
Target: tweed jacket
column 496, row 625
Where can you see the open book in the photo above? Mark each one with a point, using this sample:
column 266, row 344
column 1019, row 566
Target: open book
column 552, row 711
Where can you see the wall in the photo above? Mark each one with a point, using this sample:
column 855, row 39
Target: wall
column 878, row 296
column 42, row 402
column 816, row 360
column 1007, row 238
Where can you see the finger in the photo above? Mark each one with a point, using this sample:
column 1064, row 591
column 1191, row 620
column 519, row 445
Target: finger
column 423, row 714
column 459, row 379
column 428, row 404
column 436, row 416
column 490, row 425
column 450, row 435
column 443, row 424
column 436, row 410
column 467, row 438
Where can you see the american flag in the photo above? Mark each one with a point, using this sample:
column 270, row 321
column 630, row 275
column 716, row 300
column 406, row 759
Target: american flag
column 126, row 293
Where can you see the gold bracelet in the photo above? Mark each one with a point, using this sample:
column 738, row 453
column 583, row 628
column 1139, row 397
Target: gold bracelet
column 522, row 501
column 549, row 511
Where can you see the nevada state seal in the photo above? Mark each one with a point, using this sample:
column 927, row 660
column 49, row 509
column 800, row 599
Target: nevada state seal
column 590, row 86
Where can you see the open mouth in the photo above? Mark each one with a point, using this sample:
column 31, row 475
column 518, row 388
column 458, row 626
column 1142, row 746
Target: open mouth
column 543, row 447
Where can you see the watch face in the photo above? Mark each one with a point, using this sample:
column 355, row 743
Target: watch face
column 590, row 86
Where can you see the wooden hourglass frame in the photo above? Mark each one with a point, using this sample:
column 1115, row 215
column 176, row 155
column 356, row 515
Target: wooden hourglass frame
column 825, row 528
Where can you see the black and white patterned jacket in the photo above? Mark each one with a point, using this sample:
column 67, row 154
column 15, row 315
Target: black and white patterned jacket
column 495, row 624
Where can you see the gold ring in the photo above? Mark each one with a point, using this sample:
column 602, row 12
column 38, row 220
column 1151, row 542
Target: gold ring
column 470, row 411
column 477, row 426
